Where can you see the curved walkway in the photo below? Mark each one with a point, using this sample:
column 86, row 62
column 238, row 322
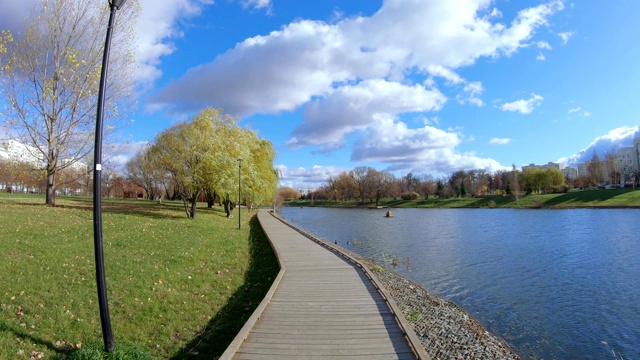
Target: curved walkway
column 321, row 306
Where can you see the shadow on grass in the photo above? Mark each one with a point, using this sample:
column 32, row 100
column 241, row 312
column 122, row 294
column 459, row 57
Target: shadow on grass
column 586, row 196
column 216, row 336
column 21, row 334
column 142, row 208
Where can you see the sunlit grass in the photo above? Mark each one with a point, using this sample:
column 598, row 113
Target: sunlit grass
column 175, row 286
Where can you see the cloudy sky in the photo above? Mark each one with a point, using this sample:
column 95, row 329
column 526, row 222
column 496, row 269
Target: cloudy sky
column 422, row 86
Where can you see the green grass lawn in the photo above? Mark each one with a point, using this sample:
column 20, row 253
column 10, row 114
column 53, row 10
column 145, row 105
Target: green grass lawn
column 625, row 197
column 177, row 288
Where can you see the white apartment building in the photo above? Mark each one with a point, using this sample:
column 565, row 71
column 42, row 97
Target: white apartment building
column 14, row 150
column 570, row 173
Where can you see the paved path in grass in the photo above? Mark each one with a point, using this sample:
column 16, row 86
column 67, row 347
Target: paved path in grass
column 320, row 306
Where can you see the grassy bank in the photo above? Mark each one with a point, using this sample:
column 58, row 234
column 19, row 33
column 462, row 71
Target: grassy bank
column 573, row 199
column 177, row 288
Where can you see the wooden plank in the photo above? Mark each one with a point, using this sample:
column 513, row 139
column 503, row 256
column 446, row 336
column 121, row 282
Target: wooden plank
column 326, row 352
column 327, row 334
column 245, row 356
column 264, row 337
column 335, row 349
column 315, row 341
column 323, row 307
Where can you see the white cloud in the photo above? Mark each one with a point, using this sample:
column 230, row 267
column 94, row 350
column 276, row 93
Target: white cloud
column 360, row 66
column 285, row 69
column 471, row 91
column 578, row 111
column 443, row 72
column 612, row 141
column 427, row 149
column 158, row 25
column 303, row 178
column 118, row 154
column 258, row 4
column 543, row 45
column 471, row 94
column 541, row 57
column 565, row 36
column 355, row 77
column 500, row 141
column 350, row 108
column 523, row 106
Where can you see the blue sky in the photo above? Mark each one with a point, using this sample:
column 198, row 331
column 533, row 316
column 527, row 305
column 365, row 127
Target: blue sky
column 422, row 86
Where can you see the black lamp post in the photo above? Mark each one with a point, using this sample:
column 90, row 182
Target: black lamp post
column 105, row 321
column 239, row 168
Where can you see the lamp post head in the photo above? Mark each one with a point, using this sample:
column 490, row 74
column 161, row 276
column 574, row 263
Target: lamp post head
column 117, row 3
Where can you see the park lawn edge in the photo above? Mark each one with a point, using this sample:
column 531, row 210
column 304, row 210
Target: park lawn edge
column 178, row 288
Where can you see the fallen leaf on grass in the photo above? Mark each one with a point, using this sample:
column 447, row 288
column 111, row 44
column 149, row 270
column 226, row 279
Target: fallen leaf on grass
column 64, row 345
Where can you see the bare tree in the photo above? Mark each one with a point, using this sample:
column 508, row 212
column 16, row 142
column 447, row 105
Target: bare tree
column 427, row 186
column 50, row 81
column 361, row 181
column 381, row 182
column 141, row 171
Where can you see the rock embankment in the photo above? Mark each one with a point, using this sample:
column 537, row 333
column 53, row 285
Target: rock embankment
column 445, row 330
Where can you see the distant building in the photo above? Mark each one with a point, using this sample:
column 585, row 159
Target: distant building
column 570, row 173
column 627, row 164
column 14, row 150
column 549, row 165
column 583, row 169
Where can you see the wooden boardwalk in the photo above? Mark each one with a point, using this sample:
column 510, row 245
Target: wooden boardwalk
column 320, row 306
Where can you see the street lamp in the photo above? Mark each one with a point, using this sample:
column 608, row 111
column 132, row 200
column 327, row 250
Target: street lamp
column 239, row 168
column 105, row 321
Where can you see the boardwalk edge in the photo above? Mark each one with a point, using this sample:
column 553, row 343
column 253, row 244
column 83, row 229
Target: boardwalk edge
column 409, row 333
column 257, row 313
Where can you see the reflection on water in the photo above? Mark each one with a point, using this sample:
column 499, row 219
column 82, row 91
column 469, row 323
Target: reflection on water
column 553, row 283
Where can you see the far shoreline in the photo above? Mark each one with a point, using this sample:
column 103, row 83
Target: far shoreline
column 622, row 198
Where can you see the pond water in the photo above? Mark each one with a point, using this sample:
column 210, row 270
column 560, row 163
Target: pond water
column 555, row 284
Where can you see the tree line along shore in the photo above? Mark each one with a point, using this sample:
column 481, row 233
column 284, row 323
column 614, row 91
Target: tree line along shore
column 597, row 198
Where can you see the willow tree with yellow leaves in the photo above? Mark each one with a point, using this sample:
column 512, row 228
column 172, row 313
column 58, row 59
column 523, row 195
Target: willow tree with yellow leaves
column 202, row 156
column 50, row 77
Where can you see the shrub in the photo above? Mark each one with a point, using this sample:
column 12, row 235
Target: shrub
column 409, row 195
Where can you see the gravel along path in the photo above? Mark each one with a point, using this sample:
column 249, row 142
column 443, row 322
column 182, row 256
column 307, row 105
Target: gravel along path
column 445, row 330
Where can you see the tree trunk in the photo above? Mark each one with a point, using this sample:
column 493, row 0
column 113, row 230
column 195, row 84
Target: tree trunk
column 228, row 207
column 185, row 203
column 194, row 201
column 51, row 188
column 210, row 197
